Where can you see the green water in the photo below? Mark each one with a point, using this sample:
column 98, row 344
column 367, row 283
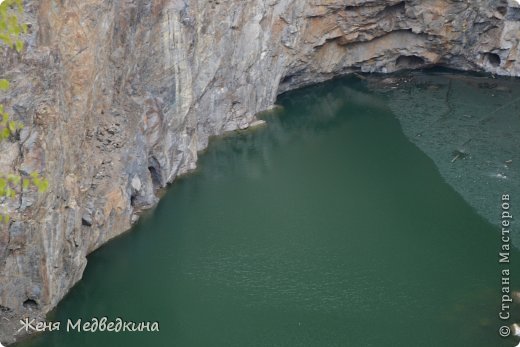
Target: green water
column 326, row 228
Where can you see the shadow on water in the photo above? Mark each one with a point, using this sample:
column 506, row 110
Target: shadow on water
column 326, row 228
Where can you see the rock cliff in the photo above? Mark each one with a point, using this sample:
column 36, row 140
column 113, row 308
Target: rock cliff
column 119, row 96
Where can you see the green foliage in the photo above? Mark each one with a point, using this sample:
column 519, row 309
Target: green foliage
column 10, row 30
column 10, row 27
column 8, row 127
column 4, row 84
column 12, row 185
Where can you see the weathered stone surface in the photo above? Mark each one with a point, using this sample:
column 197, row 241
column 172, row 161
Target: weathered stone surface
column 119, row 96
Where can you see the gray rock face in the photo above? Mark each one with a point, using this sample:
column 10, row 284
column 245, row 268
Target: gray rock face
column 119, row 96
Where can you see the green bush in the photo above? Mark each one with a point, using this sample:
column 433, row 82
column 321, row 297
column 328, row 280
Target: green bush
column 10, row 30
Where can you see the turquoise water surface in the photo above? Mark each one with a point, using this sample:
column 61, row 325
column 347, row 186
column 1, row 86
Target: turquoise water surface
column 328, row 227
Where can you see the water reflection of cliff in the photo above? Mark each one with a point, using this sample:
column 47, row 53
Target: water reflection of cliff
column 327, row 106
